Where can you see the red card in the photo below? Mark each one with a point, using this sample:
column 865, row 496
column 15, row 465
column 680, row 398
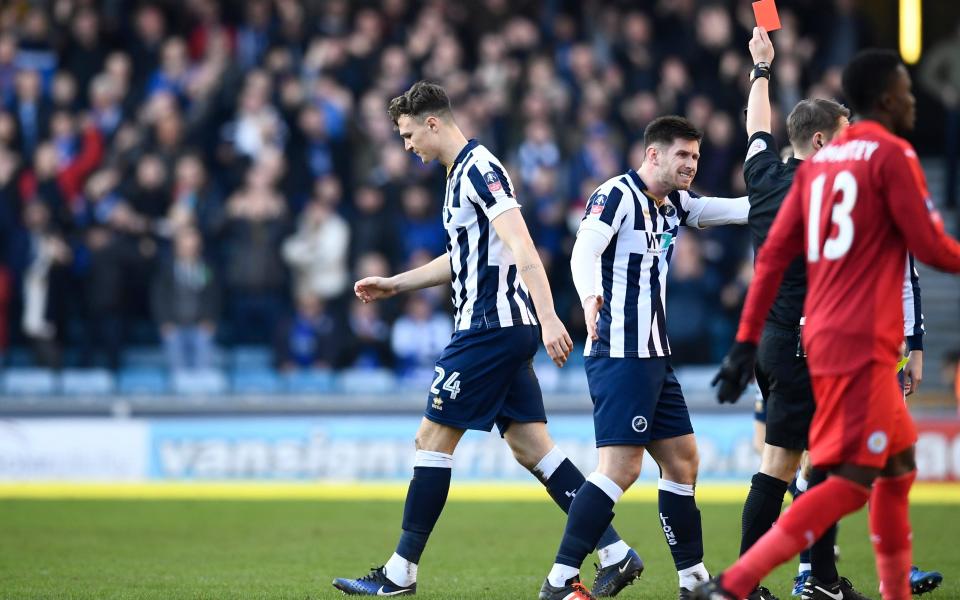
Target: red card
column 766, row 13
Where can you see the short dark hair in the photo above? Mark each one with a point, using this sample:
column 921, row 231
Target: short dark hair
column 664, row 130
column 868, row 76
column 421, row 99
column 813, row 115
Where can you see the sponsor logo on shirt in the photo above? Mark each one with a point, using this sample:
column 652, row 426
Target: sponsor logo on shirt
column 658, row 243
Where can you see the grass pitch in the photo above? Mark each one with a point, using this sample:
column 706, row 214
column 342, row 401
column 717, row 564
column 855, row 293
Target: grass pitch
column 204, row 549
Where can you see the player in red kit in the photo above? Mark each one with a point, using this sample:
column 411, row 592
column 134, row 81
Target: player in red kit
column 853, row 211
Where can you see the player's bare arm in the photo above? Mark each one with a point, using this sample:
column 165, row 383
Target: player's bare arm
column 913, row 372
column 435, row 272
column 513, row 231
column 758, row 103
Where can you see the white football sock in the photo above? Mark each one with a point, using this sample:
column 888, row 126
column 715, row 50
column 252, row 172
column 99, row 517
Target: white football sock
column 691, row 576
column 802, row 482
column 559, row 574
column 804, row 567
column 400, row 570
column 606, row 485
column 550, row 462
column 612, row 554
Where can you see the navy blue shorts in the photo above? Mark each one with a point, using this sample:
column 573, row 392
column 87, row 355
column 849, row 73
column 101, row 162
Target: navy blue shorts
column 485, row 377
column 635, row 401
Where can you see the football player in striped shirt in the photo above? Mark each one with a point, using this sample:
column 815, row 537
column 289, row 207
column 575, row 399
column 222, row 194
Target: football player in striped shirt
column 619, row 263
column 484, row 377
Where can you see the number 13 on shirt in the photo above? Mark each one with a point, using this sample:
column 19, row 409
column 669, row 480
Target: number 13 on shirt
column 834, row 247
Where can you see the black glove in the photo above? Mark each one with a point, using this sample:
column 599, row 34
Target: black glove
column 736, row 371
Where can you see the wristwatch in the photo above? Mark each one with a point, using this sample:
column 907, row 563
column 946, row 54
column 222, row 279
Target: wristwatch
column 761, row 69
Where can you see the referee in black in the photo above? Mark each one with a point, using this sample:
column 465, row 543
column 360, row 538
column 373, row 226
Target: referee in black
column 781, row 369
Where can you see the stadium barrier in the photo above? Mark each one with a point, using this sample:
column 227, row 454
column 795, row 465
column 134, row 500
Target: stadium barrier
column 369, row 449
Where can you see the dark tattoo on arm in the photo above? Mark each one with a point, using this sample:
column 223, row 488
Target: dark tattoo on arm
column 526, row 268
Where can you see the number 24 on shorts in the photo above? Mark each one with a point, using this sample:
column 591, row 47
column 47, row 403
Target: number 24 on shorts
column 451, row 384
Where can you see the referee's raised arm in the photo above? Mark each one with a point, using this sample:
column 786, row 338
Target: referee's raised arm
column 758, row 103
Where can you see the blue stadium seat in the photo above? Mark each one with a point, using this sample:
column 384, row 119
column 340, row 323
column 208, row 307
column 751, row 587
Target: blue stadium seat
column 418, row 381
column 18, row 357
column 309, row 382
column 87, row 382
column 541, row 360
column 367, row 381
column 255, row 381
column 27, row 381
column 199, row 382
column 697, row 378
column 576, row 359
column 550, row 378
column 246, row 357
column 144, row 356
column 143, row 381
column 574, row 381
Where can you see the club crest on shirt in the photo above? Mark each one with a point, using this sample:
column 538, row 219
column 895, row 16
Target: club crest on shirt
column 597, row 203
column 877, row 442
column 492, row 181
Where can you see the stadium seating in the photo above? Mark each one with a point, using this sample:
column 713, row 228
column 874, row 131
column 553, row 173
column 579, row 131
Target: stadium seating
column 143, row 381
column 308, row 382
column 255, row 380
column 87, row 382
column 28, row 381
column 200, row 382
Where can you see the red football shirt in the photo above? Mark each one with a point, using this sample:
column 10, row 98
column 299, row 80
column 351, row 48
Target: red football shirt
column 854, row 210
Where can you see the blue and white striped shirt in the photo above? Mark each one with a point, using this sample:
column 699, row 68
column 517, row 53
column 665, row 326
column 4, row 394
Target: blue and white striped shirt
column 487, row 289
column 913, row 329
column 632, row 270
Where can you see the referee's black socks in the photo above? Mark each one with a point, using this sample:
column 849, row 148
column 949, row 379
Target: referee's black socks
column 762, row 508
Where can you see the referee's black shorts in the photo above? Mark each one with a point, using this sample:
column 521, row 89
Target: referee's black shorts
column 785, row 384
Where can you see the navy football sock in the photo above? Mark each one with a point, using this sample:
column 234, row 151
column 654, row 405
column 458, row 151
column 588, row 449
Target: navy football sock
column 590, row 514
column 562, row 480
column 680, row 520
column 823, row 564
column 761, row 509
column 796, row 491
column 425, row 499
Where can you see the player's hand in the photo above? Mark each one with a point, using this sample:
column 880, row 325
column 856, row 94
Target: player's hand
column 761, row 48
column 556, row 339
column 913, row 372
column 369, row 289
column 735, row 373
column 591, row 308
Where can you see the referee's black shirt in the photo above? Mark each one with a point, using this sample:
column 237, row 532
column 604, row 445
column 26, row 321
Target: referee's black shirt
column 768, row 181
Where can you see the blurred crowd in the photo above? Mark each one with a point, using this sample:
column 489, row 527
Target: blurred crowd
column 198, row 174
